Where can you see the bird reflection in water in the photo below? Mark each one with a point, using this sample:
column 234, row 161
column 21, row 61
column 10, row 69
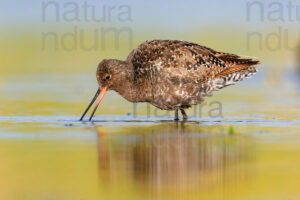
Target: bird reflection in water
column 172, row 158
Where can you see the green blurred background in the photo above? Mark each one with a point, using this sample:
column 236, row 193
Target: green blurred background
column 73, row 36
column 49, row 51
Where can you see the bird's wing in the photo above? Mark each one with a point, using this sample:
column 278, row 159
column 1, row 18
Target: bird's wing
column 181, row 59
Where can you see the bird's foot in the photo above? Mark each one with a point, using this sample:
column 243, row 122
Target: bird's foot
column 184, row 115
column 176, row 114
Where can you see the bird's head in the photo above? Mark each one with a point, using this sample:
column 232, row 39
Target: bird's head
column 110, row 75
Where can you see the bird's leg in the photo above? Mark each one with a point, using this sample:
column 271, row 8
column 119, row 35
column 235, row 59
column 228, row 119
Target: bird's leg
column 184, row 115
column 176, row 114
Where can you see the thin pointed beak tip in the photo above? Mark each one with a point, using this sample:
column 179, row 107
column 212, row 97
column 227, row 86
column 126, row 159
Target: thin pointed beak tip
column 93, row 100
column 101, row 95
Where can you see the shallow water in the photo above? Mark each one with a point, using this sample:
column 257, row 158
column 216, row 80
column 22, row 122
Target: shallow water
column 249, row 151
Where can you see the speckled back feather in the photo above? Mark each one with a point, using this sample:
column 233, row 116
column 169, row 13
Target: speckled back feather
column 150, row 57
column 189, row 61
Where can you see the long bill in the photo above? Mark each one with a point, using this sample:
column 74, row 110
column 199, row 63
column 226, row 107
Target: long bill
column 102, row 93
column 91, row 103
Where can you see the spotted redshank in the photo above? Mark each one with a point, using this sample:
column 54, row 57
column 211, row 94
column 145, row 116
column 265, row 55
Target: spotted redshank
column 170, row 74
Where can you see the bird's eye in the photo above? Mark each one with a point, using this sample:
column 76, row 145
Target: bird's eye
column 107, row 77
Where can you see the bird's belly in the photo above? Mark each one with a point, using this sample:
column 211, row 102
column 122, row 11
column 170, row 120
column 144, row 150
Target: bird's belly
column 169, row 96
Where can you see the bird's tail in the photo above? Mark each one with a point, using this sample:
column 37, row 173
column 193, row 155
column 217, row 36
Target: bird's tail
column 240, row 69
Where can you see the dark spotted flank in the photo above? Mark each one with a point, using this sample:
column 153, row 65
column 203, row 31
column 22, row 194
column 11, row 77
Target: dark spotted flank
column 171, row 74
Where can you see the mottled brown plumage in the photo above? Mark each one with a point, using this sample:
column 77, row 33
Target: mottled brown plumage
column 172, row 74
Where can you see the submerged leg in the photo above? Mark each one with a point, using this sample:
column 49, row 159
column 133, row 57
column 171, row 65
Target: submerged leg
column 176, row 114
column 184, row 115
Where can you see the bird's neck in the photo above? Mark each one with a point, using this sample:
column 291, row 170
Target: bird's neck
column 127, row 86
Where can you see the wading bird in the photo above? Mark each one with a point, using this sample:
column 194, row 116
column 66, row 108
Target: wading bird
column 170, row 74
